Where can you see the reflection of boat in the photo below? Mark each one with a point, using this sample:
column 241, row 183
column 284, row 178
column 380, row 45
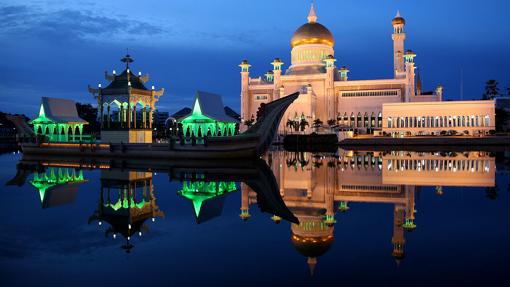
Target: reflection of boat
column 253, row 172
column 254, row 142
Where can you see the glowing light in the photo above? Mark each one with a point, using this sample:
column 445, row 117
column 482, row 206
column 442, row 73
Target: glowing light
column 114, row 236
column 99, row 223
column 153, row 219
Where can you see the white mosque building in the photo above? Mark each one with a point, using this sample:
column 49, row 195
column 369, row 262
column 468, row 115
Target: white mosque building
column 328, row 95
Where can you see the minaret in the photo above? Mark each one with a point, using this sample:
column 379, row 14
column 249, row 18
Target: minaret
column 344, row 71
column 245, row 97
column 277, row 73
column 418, row 83
column 398, row 239
column 439, row 93
column 330, row 84
column 398, row 37
column 245, row 202
column 409, row 75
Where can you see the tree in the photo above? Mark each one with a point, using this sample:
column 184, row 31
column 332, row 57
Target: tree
column 317, row 123
column 491, row 90
column 90, row 114
column 502, row 118
column 331, row 122
column 303, row 124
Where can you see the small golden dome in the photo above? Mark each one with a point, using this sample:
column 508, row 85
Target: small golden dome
column 398, row 20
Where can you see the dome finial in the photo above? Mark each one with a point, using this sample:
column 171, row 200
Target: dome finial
column 312, row 18
column 312, row 262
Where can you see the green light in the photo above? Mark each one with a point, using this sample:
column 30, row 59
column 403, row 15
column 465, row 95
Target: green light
column 43, row 181
column 343, row 207
column 200, row 191
column 409, row 224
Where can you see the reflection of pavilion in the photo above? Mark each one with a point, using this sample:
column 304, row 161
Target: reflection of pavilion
column 126, row 202
column 57, row 186
column 312, row 185
column 207, row 197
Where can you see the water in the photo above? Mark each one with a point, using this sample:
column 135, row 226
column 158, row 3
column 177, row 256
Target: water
column 356, row 212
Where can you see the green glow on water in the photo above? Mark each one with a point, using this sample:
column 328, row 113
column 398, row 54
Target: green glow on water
column 200, row 191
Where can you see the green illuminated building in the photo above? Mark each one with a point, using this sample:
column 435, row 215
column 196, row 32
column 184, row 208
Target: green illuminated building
column 58, row 121
column 200, row 192
column 208, row 117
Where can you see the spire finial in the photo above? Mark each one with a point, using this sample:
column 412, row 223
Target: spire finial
column 398, row 14
column 312, row 18
column 127, row 59
column 312, row 262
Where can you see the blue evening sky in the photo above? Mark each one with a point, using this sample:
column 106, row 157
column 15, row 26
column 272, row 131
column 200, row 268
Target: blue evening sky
column 56, row 48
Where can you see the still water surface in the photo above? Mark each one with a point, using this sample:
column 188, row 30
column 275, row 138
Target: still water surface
column 360, row 218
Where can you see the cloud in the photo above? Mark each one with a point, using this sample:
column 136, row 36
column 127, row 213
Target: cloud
column 71, row 25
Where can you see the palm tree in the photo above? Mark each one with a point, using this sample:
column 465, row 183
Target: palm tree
column 303, row 123
column 491, row 90
column 317, row 123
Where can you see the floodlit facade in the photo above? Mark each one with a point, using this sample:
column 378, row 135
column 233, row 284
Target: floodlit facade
column 475, row 118
column 328, row 94
column 126, row 106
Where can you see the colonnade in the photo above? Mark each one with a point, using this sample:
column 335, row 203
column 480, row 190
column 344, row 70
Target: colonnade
column 126, row 116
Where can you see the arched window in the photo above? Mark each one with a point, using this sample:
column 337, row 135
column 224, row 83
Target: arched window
column 379, row 120
column 353, row 120
column 365, row 120
column 372, row 120
column 390, row 123
column 359, row 120
column 487, row 121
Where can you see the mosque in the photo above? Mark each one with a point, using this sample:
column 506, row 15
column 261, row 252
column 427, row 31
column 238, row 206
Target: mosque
column 328, row 96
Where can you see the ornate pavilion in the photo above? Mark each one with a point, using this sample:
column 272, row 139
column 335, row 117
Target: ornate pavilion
column 126, row 106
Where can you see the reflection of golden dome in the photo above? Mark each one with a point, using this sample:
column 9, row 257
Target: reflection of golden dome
column 312, row 33
column 312, row 246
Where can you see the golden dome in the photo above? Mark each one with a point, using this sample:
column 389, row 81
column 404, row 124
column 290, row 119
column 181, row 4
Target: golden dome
column 312, row 33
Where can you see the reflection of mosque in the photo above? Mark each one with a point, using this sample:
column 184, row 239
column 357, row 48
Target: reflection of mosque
column 126, row 201
column 313, row 185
